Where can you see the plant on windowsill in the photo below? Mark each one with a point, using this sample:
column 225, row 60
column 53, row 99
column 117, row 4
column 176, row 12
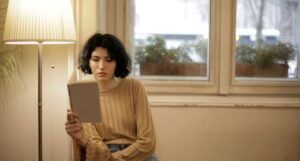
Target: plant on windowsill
column 155, row 59
column 266, row 60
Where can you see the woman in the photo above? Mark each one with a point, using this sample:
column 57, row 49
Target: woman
column 126, row 132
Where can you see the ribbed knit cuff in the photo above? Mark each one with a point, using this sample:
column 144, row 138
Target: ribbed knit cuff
column 96, row 150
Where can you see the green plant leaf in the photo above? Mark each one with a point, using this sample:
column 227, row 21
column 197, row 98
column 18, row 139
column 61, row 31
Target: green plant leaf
column 10, row 75
column 265, row 55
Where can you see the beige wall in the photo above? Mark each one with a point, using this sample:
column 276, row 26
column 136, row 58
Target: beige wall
column 227, row 134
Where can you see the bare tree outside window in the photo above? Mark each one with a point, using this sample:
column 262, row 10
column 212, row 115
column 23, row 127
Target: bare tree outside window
column 267, row 42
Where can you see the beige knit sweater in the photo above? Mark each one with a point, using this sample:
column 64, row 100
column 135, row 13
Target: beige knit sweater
column 126, row 119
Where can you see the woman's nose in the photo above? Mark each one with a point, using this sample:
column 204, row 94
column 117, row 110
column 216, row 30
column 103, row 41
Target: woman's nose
column 101, row 64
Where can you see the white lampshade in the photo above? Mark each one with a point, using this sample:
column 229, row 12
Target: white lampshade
column 39, row 21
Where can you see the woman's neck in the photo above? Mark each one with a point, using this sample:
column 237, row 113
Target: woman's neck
column 108, row 85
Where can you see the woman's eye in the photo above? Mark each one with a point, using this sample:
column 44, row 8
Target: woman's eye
column 109, row 59
column 95, row 59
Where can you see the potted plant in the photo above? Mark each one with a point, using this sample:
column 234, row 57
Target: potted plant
column 154, row 58
column 266, row 60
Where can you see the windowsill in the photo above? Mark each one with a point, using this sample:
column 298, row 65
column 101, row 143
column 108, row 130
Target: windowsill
column 224, row 101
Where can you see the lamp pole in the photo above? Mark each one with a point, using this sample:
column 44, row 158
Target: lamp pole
column 40, row 104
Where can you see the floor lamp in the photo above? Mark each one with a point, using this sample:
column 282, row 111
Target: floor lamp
column 39, row 22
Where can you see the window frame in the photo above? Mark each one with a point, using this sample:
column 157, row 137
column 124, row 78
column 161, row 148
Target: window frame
column 208, row 85
column 221, row 80
column 275, row 86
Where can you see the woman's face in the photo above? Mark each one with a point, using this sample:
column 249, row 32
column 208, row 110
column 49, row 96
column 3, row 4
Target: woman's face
column 102, row 65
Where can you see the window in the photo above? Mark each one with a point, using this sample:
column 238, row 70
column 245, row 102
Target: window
column 172, row 38
column 267, row 39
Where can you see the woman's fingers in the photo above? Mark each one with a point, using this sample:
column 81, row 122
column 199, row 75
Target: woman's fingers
column 73, row 129
column 73, row 121
column 71, row 115
column 73, row 126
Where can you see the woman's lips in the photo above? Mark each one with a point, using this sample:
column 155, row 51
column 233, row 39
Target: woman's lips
column 101, row 74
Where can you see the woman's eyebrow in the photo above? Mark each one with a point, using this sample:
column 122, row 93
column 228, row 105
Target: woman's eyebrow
column 96, row 56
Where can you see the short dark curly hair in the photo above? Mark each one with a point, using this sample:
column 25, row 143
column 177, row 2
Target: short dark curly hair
column 116, row 51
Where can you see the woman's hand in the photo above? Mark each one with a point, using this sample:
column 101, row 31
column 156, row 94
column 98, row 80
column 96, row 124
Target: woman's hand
column 74, row 128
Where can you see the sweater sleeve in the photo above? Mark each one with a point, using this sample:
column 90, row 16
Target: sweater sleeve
column 144, row 145
column 95, row 149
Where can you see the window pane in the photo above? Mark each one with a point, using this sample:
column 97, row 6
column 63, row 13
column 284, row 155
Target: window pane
column 171, row 38
column 267, row 38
